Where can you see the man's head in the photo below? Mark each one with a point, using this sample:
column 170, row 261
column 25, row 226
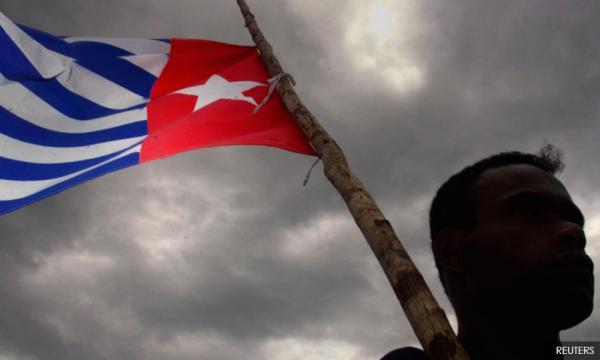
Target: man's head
column 507, row 236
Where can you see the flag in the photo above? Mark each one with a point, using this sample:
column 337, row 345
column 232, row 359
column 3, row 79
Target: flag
column 74, row 108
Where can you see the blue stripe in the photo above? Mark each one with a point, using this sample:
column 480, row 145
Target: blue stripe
column 50, row 42
column 79, row 50
column 94, row 49
column 13, row 63
column 68, row 102
column 102, row 59
column 122, row 72
column 11, row 205
column 21, row 170
column 17, row 128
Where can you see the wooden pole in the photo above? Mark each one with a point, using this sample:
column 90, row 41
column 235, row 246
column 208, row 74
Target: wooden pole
column 422, row 310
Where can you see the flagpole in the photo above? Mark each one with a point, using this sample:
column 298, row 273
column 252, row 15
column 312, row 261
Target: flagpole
column 422, row 310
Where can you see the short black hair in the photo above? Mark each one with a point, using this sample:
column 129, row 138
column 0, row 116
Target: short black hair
column 454, row 205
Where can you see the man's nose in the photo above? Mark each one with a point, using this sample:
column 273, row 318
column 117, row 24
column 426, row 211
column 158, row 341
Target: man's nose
column 571, row 235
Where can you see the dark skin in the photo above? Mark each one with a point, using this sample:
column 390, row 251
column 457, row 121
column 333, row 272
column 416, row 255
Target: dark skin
column 521, row 275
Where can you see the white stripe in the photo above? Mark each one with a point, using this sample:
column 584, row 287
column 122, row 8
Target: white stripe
column 134, row 46
column 97, row 89
column 17, row 99
column 3, row 80
column 42, row 59
column 18, row 189
column 152, row 63
column 19, row 150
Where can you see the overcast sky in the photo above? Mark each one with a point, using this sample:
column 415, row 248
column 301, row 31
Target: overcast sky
column 222, row 254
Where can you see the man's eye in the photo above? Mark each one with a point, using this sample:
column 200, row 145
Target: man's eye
column 529, row 211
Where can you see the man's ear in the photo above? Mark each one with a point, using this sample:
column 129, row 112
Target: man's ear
column 448, row 248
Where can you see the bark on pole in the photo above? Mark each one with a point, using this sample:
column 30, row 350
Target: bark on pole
column 422, row 310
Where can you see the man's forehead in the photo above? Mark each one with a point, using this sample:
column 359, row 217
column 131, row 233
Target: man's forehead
column 502, row 181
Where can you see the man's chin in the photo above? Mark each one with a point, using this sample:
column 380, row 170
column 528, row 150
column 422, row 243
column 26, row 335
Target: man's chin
column 565, row 296
column 567, row 308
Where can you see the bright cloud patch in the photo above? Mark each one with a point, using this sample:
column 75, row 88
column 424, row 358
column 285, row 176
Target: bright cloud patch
column 380, row 41
column 321, row 232
column 306, row 349
column 592, row 230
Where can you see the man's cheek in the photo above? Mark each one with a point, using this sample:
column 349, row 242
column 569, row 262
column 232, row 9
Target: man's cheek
column 489, row 270
column 491, row 263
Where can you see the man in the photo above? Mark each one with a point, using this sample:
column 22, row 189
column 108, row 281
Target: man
column 508, row 242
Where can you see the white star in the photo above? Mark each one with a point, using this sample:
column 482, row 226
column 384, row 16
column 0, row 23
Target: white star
column 217, row 88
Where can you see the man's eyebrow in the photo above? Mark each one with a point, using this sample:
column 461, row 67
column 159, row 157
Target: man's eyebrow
column 569, row 210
